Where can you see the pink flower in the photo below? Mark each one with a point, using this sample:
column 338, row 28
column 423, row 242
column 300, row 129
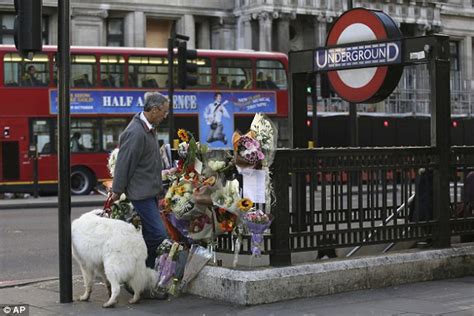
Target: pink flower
column 261, row 156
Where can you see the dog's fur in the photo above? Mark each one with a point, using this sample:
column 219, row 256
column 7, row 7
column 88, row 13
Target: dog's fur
column 115, row 250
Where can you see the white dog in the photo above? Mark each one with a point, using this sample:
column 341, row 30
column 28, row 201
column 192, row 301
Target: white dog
column 115, row 250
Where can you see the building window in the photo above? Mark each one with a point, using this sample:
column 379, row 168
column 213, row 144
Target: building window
column 115, row 32
column 7, row 22
column 6, row 32
column 455, row 66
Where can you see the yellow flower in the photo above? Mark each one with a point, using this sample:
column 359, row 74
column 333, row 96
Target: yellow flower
column 244, row 204
column 180, row 190
column 183, row 135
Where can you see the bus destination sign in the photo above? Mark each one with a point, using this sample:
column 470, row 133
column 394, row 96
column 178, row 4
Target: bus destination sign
column 363, row 56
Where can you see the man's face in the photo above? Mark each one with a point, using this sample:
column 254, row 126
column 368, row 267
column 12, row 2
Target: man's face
column 32, row 70
column 159, row 113
column 218, row 98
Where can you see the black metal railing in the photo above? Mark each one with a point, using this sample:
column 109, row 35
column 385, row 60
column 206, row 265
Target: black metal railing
column 338, row 198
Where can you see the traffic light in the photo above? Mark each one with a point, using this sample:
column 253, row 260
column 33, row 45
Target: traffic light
column 28, row 29
column 326, row 90
column 187, row 67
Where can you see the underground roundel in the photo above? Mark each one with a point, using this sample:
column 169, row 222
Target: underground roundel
column 372, row 83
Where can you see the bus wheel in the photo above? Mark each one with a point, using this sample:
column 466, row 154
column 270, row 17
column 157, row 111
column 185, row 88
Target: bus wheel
column 82, row 181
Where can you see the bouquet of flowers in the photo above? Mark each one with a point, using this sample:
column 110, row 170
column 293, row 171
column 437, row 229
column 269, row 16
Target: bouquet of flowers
column 257, row 222
column 227, row 196
column 180, row 199
column 189, row 151
column 266, row 134
column 247, row 150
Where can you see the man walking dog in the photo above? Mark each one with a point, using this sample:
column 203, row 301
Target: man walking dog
column 138, row 170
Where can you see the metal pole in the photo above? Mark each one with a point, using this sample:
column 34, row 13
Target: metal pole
column 314, row 109
column 440, row 123
column 64, row 172
column 171, row 42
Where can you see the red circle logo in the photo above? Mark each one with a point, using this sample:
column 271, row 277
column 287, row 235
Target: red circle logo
column 370, row 84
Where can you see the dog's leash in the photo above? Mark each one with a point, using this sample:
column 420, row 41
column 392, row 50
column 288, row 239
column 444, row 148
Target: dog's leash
column 107, row 209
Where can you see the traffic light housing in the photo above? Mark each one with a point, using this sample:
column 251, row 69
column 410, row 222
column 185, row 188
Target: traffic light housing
column 187, row 67
column 28, row 27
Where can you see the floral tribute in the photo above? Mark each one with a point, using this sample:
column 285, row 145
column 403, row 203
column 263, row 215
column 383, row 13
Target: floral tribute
column 257, row 222
column 204, row 199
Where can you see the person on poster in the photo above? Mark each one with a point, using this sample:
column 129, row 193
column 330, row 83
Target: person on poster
column 214, row 114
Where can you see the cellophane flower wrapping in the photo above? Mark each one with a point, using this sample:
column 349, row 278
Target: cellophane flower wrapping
column 112, row 161
column 257, row 222
column 266, row 134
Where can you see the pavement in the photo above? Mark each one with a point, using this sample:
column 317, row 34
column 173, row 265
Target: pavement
column 454, row 297
column 92, row 200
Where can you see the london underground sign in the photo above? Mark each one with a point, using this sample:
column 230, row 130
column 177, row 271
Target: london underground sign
column 378, row 62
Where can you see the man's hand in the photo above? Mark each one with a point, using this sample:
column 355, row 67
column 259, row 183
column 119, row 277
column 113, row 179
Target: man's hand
column 114, row 196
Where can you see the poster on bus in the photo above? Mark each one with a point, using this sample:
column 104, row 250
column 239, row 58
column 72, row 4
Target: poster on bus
column 215, row 109
column 216, row 120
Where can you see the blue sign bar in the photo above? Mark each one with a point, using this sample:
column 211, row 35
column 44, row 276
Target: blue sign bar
column 360, row 56
column 185, row 102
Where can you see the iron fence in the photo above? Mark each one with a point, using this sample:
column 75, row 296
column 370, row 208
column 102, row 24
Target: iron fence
column 339, row 198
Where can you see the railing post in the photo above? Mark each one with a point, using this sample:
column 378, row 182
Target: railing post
column 280, row 253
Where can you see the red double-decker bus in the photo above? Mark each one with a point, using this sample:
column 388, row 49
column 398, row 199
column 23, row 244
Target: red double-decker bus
column 107, row 88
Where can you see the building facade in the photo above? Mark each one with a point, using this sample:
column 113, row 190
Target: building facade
column 270, row 25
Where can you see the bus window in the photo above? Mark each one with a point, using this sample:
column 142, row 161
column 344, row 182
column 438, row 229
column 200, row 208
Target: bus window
column 147, row 72
column 204, row 73
column 112, row 71
column 19, row 72
column 42, row 132
column 234, row 73
column 271, row 74
column 83, row 71
column 85, row 135
column 111, row 129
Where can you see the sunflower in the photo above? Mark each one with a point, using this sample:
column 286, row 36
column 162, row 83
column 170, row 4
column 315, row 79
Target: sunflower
column 244, row 204
column 180, row 190
column 183, row 135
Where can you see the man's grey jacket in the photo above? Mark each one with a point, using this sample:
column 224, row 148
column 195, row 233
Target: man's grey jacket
column 138, row 168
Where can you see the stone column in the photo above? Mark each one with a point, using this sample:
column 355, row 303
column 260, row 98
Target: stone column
column 223, row 33
column 205, row 35
column 88, row 27
column 186, row 26
column 135, row 29
column 320, row 29
column 265, row 31
column 283, row 33
column 244, row 32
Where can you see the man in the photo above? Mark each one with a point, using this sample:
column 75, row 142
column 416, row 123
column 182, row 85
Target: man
column 75, row 144
column 30, row 79
column 138, row 170
column 213, row 115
